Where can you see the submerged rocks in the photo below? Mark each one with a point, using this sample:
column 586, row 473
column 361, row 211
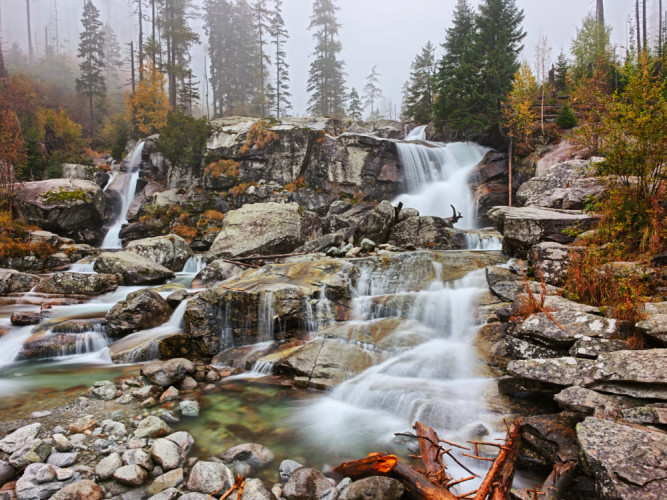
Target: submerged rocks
column 262, row 229
column 132, row 268
column 170, row 251
column 69, row 283
column 141, row 310
column 67, row 207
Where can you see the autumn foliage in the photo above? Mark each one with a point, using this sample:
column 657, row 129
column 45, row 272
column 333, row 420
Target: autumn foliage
column 148, row 107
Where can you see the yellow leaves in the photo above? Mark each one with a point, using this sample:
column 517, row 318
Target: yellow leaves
column 518, row 116
column 228, row 168
column 259, row 136
column 148, row 107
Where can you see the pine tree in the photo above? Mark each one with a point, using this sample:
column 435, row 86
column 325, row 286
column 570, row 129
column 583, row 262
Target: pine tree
column 355, row 109
column 419, row 91
column 91, row 84
column 112, row 56
column 325, row 81
column 456, row 105
column 591, row 47
column 562, row 67
column 262, row 29
column 279, row 95
column 498, row 44
column 371, row 91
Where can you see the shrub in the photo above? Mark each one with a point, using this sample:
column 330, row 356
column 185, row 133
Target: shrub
column 217, row 169
column 566, row 118
column 259, row 136
column 183, row 139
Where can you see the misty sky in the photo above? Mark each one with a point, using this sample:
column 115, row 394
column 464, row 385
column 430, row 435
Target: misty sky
column 386, row 33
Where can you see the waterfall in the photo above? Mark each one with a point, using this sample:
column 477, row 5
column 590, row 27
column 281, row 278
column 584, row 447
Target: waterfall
column 194, row 265
column 84, row 266
column 436, row 176
column 266, row 317
column 112, row 238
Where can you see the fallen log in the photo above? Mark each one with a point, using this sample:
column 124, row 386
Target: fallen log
column 431, row 454
column 498, row 481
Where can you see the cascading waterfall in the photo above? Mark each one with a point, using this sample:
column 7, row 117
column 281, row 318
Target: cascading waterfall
column 194, row 265
column 112, row 238
column 85, row 266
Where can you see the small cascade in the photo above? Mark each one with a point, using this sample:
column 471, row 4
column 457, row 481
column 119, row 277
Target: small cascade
column 261, row 369
column 86, row 342
column 112, row 176
column 266, row 317
column 11, row 344
column 481, row 241
column 436, row 176
column 194, row 265
column 324, row 313
column 112, row 238
column 176, row 320
column 83, row 266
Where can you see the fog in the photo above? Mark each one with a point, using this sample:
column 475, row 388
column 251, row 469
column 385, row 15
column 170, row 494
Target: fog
column 386, row 33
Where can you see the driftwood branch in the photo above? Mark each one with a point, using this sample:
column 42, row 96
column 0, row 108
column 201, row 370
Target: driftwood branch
column 268, row 257
column 558, row 481
column 454, row 218
column 397, row 211
column 498, row 481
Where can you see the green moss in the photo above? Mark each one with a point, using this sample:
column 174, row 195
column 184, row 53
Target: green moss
column 63, row 195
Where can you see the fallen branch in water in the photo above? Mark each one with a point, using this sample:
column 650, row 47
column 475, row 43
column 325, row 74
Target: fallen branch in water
column 264, row 257
column 238, row 485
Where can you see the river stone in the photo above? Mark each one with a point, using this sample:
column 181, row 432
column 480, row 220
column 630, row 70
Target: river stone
column 167, row 373
column 104, row 390
column 260, row 229
column 170, row 251
column 132, row 475
column 183, row 440
column 287, row 467
column 207, row 477
column 169, row 494
column 576, row 325
column 167, row 454
column 134, row 269
column 555, row 372
column 587, row 347
column 307, row 484
column 189, row 408
column 373, row 488
column 35, row 452
column 169, row 395
column 254, row 454
column 82, row 490
column 137, row 456
column 166, row 481
column 141, row 310
column 654, row 325
column 113, row 428
column 19, row 438
column 63, row 206
column 28, row 487
column 427, row 231
column 152, row 427
column 69, row 283
column 62, row 459
column 523, row 227
column 147, row 391
column 256, row 489
column 12, row 281
column 627, row 462
column 215, row 272
column 587, row 401
column 107, row 466
column 195, row 496
column 7, row 472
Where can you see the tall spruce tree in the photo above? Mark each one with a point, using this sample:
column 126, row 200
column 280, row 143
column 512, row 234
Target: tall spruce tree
column 498, row 44
column 457, row 81
column 562, row 67
column 262, row 20
column 326, row 78
column 280, row 95
column 372, row 92
column 91, row 83
column 355, row 109
column 419, row 91
column 112, row 56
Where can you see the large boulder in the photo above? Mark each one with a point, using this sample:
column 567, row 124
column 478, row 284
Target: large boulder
column 571, row 326
column 210, row 477
column 167, row 373
column 654, row 324
column 170, row 251
column 262, row 229
column 140, row 310
column 376, row 225
column 626, row 462
column 68, row 283
column 12, row 281
column 67, row 207
column 523, row 227
column 134, row 269
column 638, row 374
column 215, row 272
column 430, row 232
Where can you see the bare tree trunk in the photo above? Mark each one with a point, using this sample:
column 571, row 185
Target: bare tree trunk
column 639, row 36
column 644, row 21
column 154, row 39
column 510, row 171
column 31, row 51
column 660, row 47
column 132, row 65
column 141, row 41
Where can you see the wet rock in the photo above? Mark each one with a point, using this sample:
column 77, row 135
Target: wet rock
column 166, row 481
column 19, row 438
column 141, row 310
column 82, row 490
column 552, row 436
column 627, row 462
column 135, row 231
column 167, row 454
column 260, row 229
column 373, row 488
column 207, row 477
column 170, row 417
column 132, row 475
column 104, row 390
column 306, row 484
column 62, row 459
column 253, row 454
column 106, row 468
column 170, row 251
column 587, row 347
column 63, row 206
column 36, row 485
column 113, row 428
column 82, row 425
column 215, row 272
column 134, row 269
column 12, row 281
column 35, row 452
column 554, row 372
column 287, row 467
column 575, row 325
column 590, row 402
column 523, row 227
column 654, row 325
column 152, row 427
column 367, row 245
column 431, row 232
column 69, row 283
column 189, row 408
column 167, row 373
column 26, row 318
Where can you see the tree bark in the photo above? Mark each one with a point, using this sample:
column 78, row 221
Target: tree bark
column 558, row 481
column 498, row 481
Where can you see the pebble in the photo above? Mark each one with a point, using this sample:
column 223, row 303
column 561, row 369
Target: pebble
column 40, row 414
